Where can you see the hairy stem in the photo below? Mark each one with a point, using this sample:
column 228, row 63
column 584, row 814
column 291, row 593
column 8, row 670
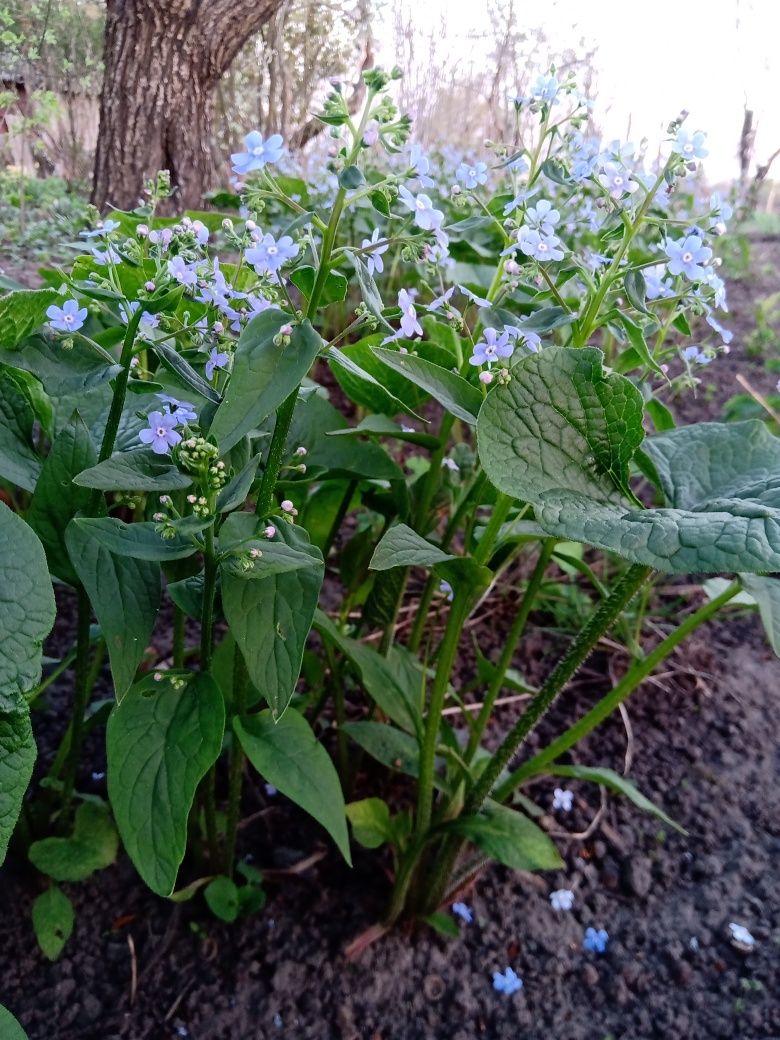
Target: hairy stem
column 81, row 693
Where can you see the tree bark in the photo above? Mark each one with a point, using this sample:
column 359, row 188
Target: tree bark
column 163, row 60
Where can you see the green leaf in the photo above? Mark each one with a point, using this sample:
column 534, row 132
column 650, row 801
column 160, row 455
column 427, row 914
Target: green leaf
column 382, row 426
column 452, row 391
column 615, row 782
column 23, row 312
column 362, row 385
column 368, row 289
column 637, row 340
column 222, row 898
column 180, row 367
column 19, row 461
column 351, row 178
column 125, row 595
column 235, row 492
column 140, row 541
column 187, row 594
column 509, row 837
column 27, row 609
column 388, row 745
column 400, row 546
column 263, row 375
column 370, row 821
column 383, row 682
column 270, row 617
column 74, row 371
column 334, row 289
column 766, row 593
column 662, row 418
column 289, row 756
column 57, row 499
column 139, row 470
column 636, row 289
column 17, row 758
column 92, row 846
column 9, row 1027
column 561, row 423
column 161, row 741
column 53, row 919
column 443, row 923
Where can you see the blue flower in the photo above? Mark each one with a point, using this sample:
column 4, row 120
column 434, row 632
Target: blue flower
column 471, row 175
column 595, row 941
column 463, row 912
column 182, row 411
column 258, row 153
column 690, row 146
column 217, row 359
column 67, row 318
column 446, row 590
column 374, row 261
column 105, row 227
column 493, row 346
column 507, row 981
column 425, row 216
column 161, row 433
column 543, row 217
column 541, row 247
column 410, row 326
column 421, row 165
column 107, row 256
column 182, row 272
column 479, row 300
column 562, row 799
column 268, row 256
column 441, row 301
column 562, row 899
column 656, row 286
column 616, row 181
column 693, row 354
column 687, row 256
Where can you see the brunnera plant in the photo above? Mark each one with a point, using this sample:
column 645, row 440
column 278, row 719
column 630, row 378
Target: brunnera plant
column 167, row 440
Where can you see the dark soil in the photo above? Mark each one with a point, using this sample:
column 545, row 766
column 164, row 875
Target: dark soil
column 701, row 739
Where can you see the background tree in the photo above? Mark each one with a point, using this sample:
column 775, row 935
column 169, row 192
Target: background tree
column 163, row 60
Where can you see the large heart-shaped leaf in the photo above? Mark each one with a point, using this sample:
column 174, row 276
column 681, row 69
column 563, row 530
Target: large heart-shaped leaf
column 57, row 498
column 289, row 756
column 263, row 375
column 125, row 595
column 270, row 616
column 569, row 456
column 161, row 741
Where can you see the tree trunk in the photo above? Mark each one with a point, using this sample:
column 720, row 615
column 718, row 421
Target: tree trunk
column 163, row 59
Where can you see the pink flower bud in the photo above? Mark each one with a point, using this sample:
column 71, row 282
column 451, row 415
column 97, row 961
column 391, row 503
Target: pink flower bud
column 486, row 378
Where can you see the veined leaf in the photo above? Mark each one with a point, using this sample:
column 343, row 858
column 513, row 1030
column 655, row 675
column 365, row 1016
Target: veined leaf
column 19, row 462
column 270, row 617
column 370, row 821
column 509, row 837
column 17, row 758
column 125, row 595
column 263, row 375
column 180, row 367
column 388, row 745
column 452, row 391
column 139, row 470
column 140, row 541
column 400, row 546
column 22, row 312
column 53, row 918
column 92, row 846
column 57, row 499
column 161, row 741
column 287, row 753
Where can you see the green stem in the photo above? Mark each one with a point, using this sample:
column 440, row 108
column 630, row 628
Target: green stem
column 630, row 681
column 236, row 775
column 599, row 623
column 206, row 648
column 178, row 637
column 510, row 645
column 81, row 694
column 446, row 658
column 338, row 519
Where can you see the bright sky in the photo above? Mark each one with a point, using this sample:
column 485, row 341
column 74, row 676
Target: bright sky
column 707, row 56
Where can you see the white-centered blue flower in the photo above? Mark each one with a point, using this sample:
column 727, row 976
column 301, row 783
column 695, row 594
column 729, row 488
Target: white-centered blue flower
column 690, row 145
column 270, row 254
column 410, row 325
column 421, row 164
column 617, row 181
column 258, row 152
column 687, row 256
column 103, row 229
column 182, row 411
column 217, row 359
column 543, row 248
column 507, row 981
column 471, row 175
column 182, row 272
column 161, row 434
column 493, row 346
column 426, row 216
column 378, row 246
column 67, row 318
